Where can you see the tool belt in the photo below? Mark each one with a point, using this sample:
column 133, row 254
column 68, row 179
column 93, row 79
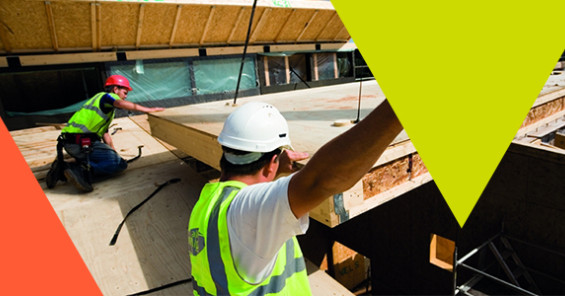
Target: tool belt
column 76, row 138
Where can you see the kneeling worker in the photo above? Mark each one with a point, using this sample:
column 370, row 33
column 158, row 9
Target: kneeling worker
column 242, row 229
column 86, row 137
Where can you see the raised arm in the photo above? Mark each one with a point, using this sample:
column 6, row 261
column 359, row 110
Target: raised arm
column 122, row 104
column 343, row 161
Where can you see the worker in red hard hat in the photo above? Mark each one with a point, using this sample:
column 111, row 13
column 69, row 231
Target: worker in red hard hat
column 86, row 137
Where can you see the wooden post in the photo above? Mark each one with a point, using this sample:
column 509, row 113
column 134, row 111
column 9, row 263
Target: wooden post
column 266, row 66
column 315, row 58
column 336, row 71
column 287, row 69
column 52, row 28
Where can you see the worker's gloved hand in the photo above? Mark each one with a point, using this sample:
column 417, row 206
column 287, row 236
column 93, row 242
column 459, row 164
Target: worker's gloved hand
column 287, row 161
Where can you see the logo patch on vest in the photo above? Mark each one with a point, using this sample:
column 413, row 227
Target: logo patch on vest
column 195, row 242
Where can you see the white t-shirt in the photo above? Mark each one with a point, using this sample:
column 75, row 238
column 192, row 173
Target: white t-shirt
column 260, row 221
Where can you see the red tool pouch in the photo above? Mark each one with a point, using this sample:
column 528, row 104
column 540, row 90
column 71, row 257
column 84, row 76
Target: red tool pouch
column 85, row 142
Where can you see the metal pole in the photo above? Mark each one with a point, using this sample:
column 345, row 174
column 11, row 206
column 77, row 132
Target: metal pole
column 244, row 51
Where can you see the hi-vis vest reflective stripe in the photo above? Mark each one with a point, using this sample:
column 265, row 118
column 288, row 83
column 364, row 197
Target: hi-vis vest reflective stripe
column 213, row 268
column 90, row 118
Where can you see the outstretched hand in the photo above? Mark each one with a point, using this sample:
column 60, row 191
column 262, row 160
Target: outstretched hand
column 157, row 109
column 287, row 161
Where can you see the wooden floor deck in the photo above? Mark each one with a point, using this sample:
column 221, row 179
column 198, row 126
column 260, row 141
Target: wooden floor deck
column 152, row 248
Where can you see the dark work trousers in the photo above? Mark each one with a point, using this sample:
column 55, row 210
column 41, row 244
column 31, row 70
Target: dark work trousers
column 104, row 160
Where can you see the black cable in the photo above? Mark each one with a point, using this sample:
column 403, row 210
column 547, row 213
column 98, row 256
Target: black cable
column 244, row 51
column 138, row 154
column 115, row 237
column 188, row 280
column 292, row 71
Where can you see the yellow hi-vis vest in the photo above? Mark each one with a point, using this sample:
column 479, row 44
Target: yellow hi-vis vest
column 213, row 268
column 90, row 118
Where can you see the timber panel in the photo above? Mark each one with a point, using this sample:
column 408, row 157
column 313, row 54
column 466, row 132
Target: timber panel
column 36, row 26
column 310, row 115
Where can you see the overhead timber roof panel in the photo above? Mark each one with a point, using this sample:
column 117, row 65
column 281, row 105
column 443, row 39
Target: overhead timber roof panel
column 35, row 26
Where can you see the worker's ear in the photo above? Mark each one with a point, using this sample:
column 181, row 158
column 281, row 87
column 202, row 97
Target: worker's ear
column 270, row 169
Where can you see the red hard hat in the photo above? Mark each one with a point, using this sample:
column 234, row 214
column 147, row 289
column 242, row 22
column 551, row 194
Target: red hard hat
column 118, row 80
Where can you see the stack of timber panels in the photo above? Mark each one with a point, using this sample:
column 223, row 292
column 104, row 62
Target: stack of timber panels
column 311, row 115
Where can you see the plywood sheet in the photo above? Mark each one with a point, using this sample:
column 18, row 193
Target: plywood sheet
column 152, row 248
column 38, row 145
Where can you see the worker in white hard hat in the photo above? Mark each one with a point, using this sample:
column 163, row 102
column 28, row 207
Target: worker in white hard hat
column 242, row 230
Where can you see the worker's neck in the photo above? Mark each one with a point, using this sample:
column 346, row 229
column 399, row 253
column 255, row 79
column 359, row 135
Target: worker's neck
column 247, row 179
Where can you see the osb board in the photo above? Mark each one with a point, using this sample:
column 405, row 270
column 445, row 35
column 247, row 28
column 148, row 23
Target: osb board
column 298, row 21
column 318, row 24
column 221, row 25
column 72, row 24
column 274, row 24
column 331, row 28
column 158, row 22
column 93, row 25
column 118, row 29
column 191, row 24
column 151, row 249
column 26, row 23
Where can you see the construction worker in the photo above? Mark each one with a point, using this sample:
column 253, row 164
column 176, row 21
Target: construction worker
column 242, row 229
column 86, row 137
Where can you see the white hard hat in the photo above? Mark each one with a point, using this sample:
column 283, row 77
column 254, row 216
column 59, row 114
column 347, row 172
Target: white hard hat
column 255, row 127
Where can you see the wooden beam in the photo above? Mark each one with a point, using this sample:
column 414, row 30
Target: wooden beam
column 235, row 25
column 93, row 26
column 284, row 26
column 72, row 58
column 332, row 20
column 293, row 47
column 98, row 26
column 139, row 25
column 307, row 25
column 266, row 66
column 175, row 25
column 52, row 28
column 161, row 53
column 260, row 24
column 211, row 51
column 210, row 16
